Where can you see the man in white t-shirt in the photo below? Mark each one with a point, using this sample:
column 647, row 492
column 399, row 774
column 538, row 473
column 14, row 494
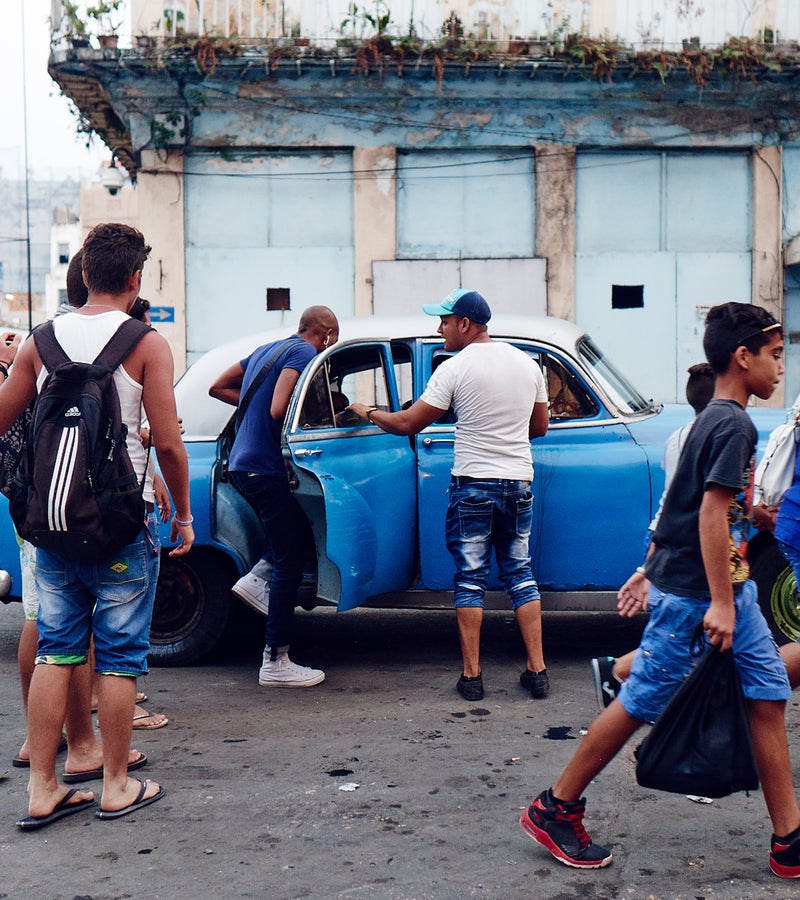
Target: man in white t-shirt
column 499, row 398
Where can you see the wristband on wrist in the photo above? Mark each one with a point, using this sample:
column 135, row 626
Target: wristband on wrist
column 640, row 570
column 370, row 411
column 183, row 521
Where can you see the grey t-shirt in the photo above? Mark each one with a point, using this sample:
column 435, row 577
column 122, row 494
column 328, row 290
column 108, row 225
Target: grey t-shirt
column 720, row 450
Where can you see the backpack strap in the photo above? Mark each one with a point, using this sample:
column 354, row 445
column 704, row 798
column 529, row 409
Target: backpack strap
column 115, row 352
column 121, row 344
column 50, row 351
column 256, row 383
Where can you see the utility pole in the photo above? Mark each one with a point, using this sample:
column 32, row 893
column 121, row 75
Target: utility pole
column 27, row 170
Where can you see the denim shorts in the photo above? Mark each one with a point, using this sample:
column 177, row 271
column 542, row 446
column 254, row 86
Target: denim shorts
column 665, row 657
column 490, row 513
column 111, row 599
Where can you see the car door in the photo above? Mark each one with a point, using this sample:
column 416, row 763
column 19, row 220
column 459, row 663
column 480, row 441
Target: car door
column 356, row 483
column 591, row 489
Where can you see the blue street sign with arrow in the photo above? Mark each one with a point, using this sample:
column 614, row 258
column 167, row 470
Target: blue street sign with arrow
column 162, row 313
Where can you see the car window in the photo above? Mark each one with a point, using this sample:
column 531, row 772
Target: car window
column 354, row 374
column 568, row 397
column 403, row 373
column 616, row 385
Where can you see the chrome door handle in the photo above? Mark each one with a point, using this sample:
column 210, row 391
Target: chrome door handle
column 426, row 442
column 301, row 453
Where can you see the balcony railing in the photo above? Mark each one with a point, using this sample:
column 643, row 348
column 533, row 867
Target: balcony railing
column 322, row 23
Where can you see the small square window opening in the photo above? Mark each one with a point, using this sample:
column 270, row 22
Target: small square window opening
column 627, row 296
column 278, row 298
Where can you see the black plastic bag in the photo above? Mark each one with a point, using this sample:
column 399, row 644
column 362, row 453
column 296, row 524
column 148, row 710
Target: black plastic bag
column 701, row 744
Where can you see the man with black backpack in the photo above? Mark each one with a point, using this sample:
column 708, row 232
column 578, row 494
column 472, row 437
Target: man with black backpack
column 79, row 499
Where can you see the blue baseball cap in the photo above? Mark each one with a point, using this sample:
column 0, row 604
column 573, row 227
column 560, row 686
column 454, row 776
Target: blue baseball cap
column 461, row 302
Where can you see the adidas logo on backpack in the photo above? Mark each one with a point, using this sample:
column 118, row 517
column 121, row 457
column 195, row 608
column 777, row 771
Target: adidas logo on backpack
column 75, row 492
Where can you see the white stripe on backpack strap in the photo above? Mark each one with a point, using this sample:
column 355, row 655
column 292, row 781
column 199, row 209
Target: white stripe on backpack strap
column 63, row 469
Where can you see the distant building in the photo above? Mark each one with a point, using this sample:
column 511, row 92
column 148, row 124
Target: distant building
column 44, row 197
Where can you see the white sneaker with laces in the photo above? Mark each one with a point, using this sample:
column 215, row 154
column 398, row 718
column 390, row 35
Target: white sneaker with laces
column 254, row 591
column 282, row 672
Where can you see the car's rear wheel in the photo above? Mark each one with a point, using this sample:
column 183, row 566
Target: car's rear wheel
column 777, row 587
column 191, row 609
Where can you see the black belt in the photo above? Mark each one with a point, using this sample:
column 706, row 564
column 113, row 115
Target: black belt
column 458, row 480
column 468, row 479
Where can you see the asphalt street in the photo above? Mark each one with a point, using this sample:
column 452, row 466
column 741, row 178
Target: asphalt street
column 379, row 783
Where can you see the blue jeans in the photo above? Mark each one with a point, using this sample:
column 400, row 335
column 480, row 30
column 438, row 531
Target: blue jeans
column 111, row 599
column 482, row 514
column 665, row 656
column 288, row 537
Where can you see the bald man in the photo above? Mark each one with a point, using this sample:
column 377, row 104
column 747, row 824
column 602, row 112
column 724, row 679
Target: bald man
column 257, row 471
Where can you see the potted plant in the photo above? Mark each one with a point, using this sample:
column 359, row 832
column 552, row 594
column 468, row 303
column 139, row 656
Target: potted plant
column 74, row 26
column 105, row 14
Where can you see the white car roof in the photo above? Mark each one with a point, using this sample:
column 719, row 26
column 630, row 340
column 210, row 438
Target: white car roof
column 204, row 417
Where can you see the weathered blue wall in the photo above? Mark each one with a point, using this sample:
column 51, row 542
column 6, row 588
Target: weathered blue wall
column 663, row 194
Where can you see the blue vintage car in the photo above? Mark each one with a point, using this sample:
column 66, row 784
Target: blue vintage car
column 377, row 502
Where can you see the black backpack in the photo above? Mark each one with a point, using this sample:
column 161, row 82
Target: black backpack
column 75, row 492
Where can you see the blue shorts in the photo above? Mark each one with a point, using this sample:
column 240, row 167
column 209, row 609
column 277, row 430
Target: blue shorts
column 665, row 658
column 490, row 513
column 111, row 599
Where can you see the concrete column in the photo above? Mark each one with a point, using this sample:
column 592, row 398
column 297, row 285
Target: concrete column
column 555, row 225
column 161, row 217
column 767, row 223
column 374, row 217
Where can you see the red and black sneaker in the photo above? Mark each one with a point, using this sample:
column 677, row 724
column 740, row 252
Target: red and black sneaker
column 784, row 857
column 558, row 826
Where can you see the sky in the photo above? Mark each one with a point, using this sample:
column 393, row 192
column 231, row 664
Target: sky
column 54, row 148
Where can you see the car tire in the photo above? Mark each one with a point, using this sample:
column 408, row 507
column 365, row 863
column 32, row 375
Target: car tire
column 777, row 587
column 191, row 608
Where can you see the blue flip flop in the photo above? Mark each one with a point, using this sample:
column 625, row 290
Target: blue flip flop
column 95, row 774
column 19, row 763
column 62, row 808
column 138, row 803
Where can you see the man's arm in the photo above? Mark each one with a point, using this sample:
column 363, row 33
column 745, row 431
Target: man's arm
column 720, row 617
column 17, row 391
column 158, row 399
column 540, row 420
column 282, row 393
column 229, row 385
column 406, row 421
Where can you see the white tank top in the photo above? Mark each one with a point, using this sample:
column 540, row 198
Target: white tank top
column 83, row 337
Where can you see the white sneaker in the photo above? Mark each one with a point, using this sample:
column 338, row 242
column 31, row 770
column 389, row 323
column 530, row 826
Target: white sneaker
column 282, row 672
column 254, row 591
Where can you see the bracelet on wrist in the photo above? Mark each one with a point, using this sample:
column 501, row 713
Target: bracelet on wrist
column 183, row 521
column 370, row 411
column 640, row 570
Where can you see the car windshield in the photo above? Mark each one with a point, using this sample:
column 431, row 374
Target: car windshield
column 615, row 384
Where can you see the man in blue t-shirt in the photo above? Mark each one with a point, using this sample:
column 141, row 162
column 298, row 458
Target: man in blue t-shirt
column 257, row 471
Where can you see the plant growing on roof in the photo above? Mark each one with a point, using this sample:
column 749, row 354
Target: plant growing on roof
column 360, row 19
column 73, row 23
column 105, row 13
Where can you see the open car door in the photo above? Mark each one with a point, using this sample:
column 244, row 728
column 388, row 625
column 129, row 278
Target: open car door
column 356, row 484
